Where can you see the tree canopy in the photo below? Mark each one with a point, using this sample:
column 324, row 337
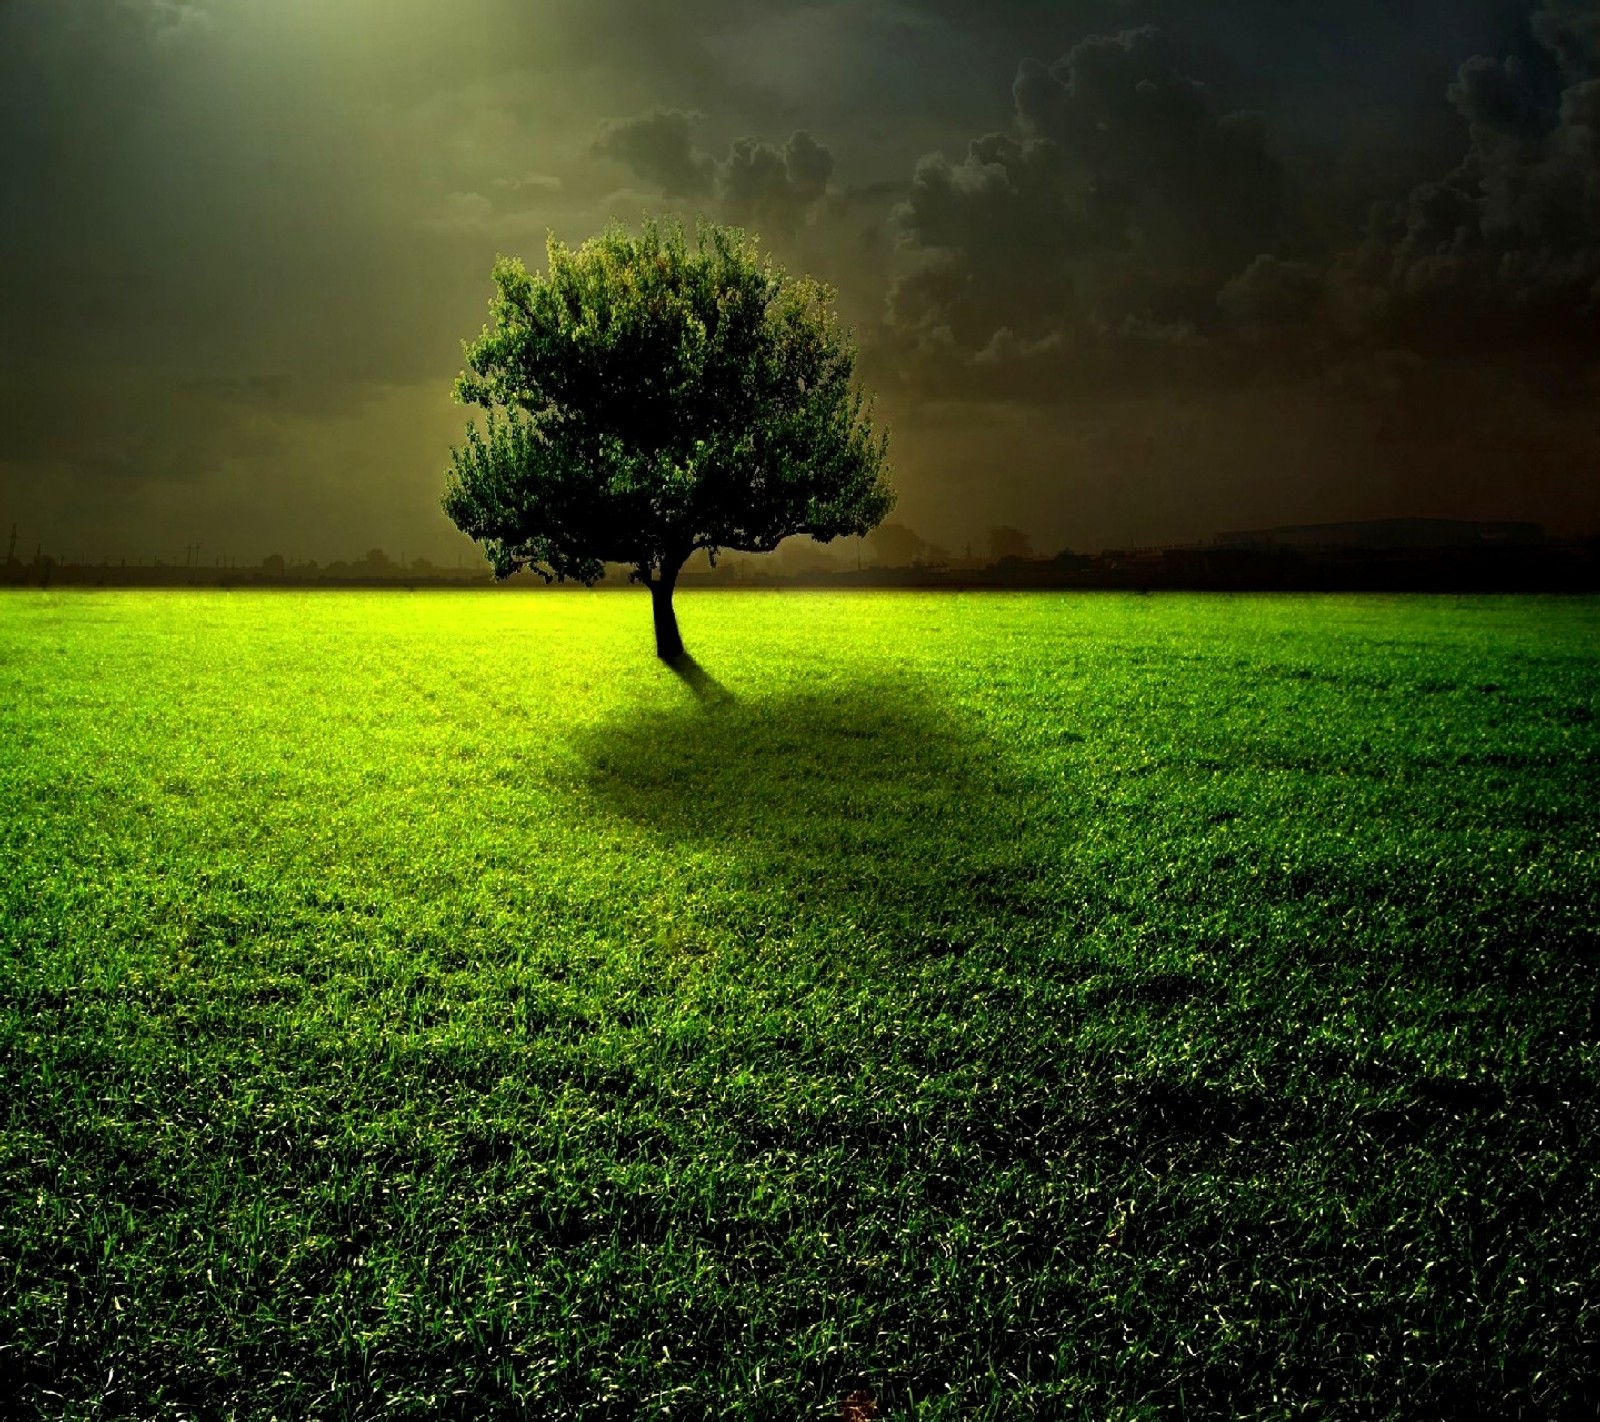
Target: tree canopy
column 649, row 396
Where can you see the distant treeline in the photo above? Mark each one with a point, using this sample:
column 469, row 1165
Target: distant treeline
column 1555, row 566
column 1380, row 555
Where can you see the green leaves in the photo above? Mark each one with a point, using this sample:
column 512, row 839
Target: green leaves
column 647, row 397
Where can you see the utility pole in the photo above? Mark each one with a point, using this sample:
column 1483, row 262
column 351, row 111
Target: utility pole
column 11, row 552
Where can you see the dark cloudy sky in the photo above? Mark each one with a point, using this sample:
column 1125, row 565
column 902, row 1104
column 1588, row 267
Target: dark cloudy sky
column 1122, row 271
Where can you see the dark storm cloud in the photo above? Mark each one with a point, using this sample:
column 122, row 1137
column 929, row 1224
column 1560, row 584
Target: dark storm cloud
column 1097, row 231
column 1131, row 289
column 1130, row 228
column 1570, row 30
column 1271, row 294
column 755, row 182
column 1504, row 251
column 659, row 148
column 1139, row 256
column 759, row 182
column 1168, row 171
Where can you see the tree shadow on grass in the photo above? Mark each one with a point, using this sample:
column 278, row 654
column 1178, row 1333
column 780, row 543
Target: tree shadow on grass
column 705, row 687
column 906, row 835
column 873, row 800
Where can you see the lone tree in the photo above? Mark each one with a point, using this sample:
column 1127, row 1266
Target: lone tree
column 648, row 397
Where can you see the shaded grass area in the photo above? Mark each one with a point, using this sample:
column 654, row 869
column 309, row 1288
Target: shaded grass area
column 1017, row 1005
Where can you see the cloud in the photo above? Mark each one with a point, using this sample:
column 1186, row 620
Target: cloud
column 1167, row 169
column 1106, row 241
column 754, row 183
column 175, row 22
column 1271, row 293
column 1570, row 30
column 1129, row 231
column 759, row 183
column 994, row 241
column 1503, row 252
column 1119, row 201
column 658, row 147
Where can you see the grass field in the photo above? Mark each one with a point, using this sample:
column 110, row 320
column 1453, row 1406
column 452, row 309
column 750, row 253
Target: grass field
column 1017, row 1005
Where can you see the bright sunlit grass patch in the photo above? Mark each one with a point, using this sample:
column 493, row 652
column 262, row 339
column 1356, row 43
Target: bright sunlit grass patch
column 431, row 1005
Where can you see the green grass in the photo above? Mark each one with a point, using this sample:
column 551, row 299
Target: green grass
column 430, row 1006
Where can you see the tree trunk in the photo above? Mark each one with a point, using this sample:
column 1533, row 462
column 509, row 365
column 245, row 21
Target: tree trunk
column 669, row 645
